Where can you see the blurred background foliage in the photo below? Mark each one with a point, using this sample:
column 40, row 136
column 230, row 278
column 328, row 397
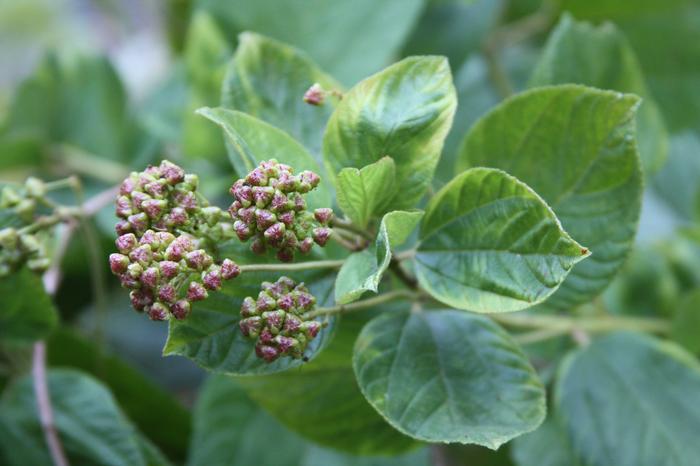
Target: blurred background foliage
column 100, row 87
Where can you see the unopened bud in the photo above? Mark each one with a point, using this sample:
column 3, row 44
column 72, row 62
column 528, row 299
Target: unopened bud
column 158, row 311
column 118, row 263
column 321, row 235
column 181, row 309
column 229, row 269
column 196, row 292
column 315, row 95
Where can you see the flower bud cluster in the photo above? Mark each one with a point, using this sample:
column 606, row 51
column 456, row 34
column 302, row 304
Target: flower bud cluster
column 157, row 268
column 276, row 319
column 165, row 198
column 20, row 244
column 269, row 206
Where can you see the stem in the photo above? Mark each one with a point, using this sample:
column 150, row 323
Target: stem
column 327, row 264
column 41, row 391
column 345, row 243
column 395, row 266
column 566, row 324
column 539, row 335
column 340, row 223
column 404, row 255
column 79, row 161
column 358, row 305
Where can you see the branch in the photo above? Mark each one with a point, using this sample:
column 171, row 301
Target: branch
column 566, row 324
column 364, row 304
column 328, row 264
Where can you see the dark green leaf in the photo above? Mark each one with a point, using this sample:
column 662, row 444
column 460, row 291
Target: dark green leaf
column 143, row 401
column 489, row 243
column 631, row 400
column 91, row 427
column 600, row 57
column 364, row 193
column 230, row 430
column 448, row 376
column 664, row 33
column 363, row 271
column 251, row 141
column 26, row 311
column 546, row 446
column 211, row 337
column 686, row 322
column 321, row 400
column 326, row 29
column 405, row 112
column 268, row 79
column 575, row 147
column 678, row 182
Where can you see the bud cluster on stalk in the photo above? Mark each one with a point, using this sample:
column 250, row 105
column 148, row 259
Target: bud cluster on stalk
column 164, row 234
column 269, row 207
column 276, row 319
column 21, row 244
column 158, row 268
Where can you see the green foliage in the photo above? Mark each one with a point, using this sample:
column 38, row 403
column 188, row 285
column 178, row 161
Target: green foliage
column 633, row 384
column 403, row 112
column 92, row 428
column 686, row 322
column 364, row 193
column 26, row 311
column 488, row 243
column 597, row 197
column 428, row 381
column 547, row 446
column 363, row 271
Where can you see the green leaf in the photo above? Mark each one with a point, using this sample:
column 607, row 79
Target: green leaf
column 251, row 141
column 363, row 271
column 142, row 400
column 91, row 427
column 489, row 243
column 77, row 100
column 326, row 29
column 26, row 311
column 578, row 52
column 575, row 147
column 363, row 194
column 454, row 28
column 547, row 446
column 230, row 430
column 686, row 322
column 625, row 388
column 268, row 79
column 322, row 402
column 205, row 56
column 664, row 34
column 678, row 182
column 448, row 376
column 405, row 112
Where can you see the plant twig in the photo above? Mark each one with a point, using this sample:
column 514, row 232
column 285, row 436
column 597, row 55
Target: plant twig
column 364, row 304
column 566, row 324
column 325, row 264
column 395, row 266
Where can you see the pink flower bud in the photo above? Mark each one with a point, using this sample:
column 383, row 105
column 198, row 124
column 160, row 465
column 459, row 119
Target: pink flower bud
column 306, row 245
column 267, row 353
column 139, row 222
column 154, row 208
column 212, row 278
column 248, row 307
column 138, row 198
column 169, row 269
column 171, row 172
column 142, row 255
column 265, row 302
column 229, row 269
column 286, row 283
column 181, row 309
column 126, row 243
column 243, row 194
column 167, row 293
column 314, row 95
column 149, row 237
column 258, row 246
column 256, row 178
column 275, row 233
column 310, row 177
column 305, row 300
column 164, row 238
column 150, row 277
column 299, row 202
column 280, row 202
column 284, row 344
column 274, row 320
column 196, row 292
column 134, row 271
column 242, row 230
column 198, row 260
column 286, row 302
column 266, row 336
column 321, row 235
column 156, row 188
column 123, row 207
column 118, row 263
column 186, row 199
column 247, row 215
column 250, row 327
column 311, row 328
column 177, row 217
column 127, row 186
column 287, row 182
column 123, row 227
column 140, row 299
column 262, row 195
column 158, row 311
column 264, row 219
column 324, row 215
column 292, row 323
column 287, row 218
column 285, row 255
